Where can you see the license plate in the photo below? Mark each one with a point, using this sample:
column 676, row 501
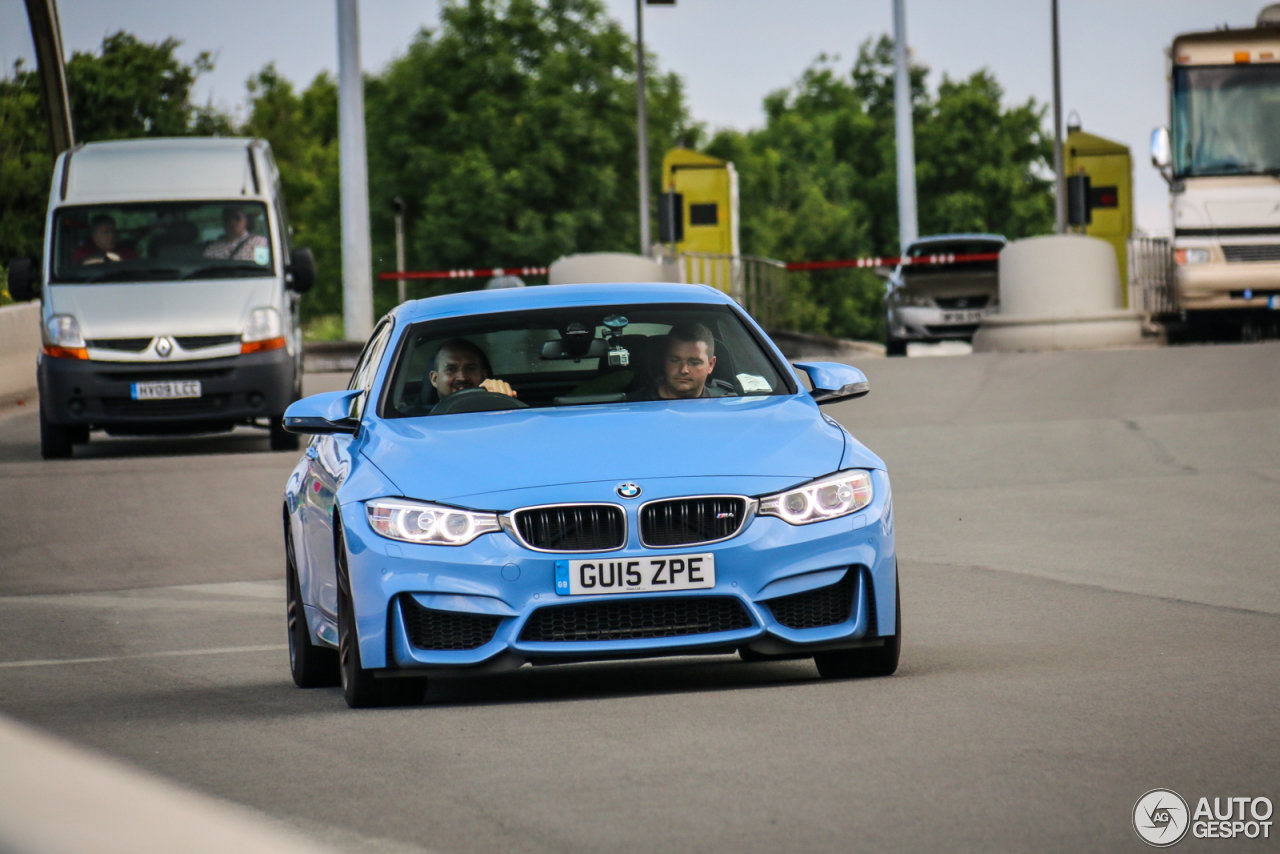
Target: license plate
column 973, row 316
column 635, row 575
column 166, row 390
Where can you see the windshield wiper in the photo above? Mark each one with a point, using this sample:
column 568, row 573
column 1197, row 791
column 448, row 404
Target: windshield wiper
column 220, row 271
column 137, row 275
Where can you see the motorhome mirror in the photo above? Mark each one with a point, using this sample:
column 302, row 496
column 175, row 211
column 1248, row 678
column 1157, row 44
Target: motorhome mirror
column 1161, row 150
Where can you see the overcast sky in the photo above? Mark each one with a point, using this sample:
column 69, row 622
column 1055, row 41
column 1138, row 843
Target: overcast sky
column 731, row 53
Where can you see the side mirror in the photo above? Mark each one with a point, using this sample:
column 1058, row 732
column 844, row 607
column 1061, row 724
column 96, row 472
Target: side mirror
column 322, row 414
column 1161, row 149
column 833, row 381
column 301, row 274
column 21, row 279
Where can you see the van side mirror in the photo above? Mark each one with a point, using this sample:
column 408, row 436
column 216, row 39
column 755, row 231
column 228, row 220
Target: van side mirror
column 301, row 275
column 1161, row 149
column 833, row 381
column 323, row 414
column 21, row 279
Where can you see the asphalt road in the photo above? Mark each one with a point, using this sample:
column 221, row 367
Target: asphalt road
column 1091, row 608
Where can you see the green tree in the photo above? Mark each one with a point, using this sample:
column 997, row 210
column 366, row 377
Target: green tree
column 303, row 132
column 819, row 180
column 510, row 133
column 25, row 165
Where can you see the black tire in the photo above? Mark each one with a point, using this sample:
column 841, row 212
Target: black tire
column 312, row 666
column 360, row 687
column 895, row 347
column 282, row 439
column 56, row 440
column 80, row 434
column 872, row 661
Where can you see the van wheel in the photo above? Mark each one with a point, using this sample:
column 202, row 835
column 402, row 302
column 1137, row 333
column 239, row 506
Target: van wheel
column 55, row 439
column 282, row 439
column 895, row 347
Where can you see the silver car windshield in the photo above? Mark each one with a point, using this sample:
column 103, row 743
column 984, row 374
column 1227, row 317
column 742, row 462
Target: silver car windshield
column 1225, row 119
column 161, row 241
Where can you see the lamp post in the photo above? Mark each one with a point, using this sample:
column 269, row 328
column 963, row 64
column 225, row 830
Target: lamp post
column 642, row 124
column 908, row 228
column 357, row 262
column 1059, row 178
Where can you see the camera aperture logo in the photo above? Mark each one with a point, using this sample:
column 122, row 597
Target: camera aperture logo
column 1160, row 817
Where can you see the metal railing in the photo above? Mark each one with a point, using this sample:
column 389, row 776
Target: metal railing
column 1151, row 290
column 755, row 283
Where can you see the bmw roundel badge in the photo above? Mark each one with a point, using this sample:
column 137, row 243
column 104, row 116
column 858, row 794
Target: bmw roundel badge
column 627, row 490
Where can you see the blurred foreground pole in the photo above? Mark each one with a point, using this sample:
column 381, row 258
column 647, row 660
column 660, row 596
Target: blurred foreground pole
column 357, row 261
column 1059, row 179
column 908, row 228
column 642, row 131
column 42, row 15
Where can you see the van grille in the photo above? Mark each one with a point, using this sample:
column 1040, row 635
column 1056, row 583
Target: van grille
column 123, row 345
column 210, row 404
column 572, row 527
column 1255, row 253
column 198, row 342
column 962, row 302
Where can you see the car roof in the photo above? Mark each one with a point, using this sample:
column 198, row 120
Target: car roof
column 955, row 238
column 553, row 296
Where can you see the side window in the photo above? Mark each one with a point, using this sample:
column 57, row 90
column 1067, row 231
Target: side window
column 367, row 366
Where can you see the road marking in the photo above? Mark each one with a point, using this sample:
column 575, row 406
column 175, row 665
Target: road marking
column 225, row 650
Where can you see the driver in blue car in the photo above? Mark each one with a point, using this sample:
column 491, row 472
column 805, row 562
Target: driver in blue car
column 459, row 365
column 686, row 366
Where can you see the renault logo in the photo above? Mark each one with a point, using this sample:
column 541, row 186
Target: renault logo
column 627, row 490
column 163, row 347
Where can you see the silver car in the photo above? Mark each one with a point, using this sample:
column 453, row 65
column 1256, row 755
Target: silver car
column 933, row 302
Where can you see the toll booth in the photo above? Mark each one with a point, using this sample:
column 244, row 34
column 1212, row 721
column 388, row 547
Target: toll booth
column 698, row 208
column 1109, row 167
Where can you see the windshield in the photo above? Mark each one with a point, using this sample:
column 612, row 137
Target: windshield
column 161, row 241
column 578, row 356
column 1225, row 119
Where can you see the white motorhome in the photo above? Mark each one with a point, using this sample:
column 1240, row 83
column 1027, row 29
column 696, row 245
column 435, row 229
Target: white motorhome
column 169, row 292
column 1221, row 158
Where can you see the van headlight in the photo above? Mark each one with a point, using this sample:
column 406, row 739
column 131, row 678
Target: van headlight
column 62, row 330
column 263, row 331
column 826, row 498
column 428, row 524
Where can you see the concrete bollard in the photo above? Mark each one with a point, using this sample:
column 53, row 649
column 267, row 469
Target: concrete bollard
column 1059, row 292
column 19, row 347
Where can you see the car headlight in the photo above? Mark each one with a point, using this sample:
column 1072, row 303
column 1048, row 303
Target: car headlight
column 62, row 330
column 1184, row 257
column 826, row 498
column 429, row 524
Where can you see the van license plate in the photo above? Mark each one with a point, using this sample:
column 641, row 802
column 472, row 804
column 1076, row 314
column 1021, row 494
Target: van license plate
column 635, row 575
column 166, row 390
column 974, row 316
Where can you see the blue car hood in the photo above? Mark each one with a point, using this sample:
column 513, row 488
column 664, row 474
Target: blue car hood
column 445, row 458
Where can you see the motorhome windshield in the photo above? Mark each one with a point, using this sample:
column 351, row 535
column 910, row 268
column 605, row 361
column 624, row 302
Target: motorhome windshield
column 161, row 241
column 1225, row 119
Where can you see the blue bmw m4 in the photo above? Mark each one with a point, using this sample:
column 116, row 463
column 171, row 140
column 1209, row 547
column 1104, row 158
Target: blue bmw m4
column 577, row 473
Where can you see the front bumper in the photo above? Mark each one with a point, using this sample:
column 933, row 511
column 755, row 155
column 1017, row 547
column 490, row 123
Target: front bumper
column 499, row 582
column 234, row 390
column 919, row 323
column 1222, row 285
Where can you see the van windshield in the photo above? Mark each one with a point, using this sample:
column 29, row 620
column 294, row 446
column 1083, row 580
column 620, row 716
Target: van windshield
column 161, row 241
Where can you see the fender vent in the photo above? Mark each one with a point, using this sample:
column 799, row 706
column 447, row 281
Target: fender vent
column 826, row 606
column 431, row 629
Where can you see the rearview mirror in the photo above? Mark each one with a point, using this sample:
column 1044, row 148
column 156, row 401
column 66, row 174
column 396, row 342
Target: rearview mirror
column 322, row 414
column 560, row 349
column 302, row 270
column 833, row 381
column 21, row 279
column 1161, row 149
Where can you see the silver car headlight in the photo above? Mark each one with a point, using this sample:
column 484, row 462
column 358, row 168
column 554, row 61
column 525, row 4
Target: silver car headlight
column 826, row 498
column 428, row 524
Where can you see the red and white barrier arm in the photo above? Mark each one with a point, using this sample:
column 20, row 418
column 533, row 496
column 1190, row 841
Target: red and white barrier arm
column 393, row 275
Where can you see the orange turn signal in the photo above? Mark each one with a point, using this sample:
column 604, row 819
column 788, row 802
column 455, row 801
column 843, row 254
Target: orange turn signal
column 1242, row 56
column 261, row 346
column 56, row 352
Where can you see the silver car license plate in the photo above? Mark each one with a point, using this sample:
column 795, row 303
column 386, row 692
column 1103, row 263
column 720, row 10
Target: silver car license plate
column 594, row 576
column 972, row 316
column 169, row 390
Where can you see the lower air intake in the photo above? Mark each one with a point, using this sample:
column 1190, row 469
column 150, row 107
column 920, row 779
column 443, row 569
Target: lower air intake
column 437, row 630
column 826, row 606
column 634, row 619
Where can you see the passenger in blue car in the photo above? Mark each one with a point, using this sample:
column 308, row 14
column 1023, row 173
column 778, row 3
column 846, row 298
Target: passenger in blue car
column 459, row 364
column 686, row 367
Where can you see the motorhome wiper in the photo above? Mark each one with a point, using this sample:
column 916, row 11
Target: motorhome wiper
column 228, row 271
column 136, row 275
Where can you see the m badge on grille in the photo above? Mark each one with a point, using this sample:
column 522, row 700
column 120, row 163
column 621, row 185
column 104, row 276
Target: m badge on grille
column 627, row 490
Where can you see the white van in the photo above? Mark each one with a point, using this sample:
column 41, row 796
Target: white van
column 169, row 292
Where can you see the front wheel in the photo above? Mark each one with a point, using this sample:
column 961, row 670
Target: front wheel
column 895, row 347
column 360, row 687
column 56, row 439
column 875, row 661
column 312, row 666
